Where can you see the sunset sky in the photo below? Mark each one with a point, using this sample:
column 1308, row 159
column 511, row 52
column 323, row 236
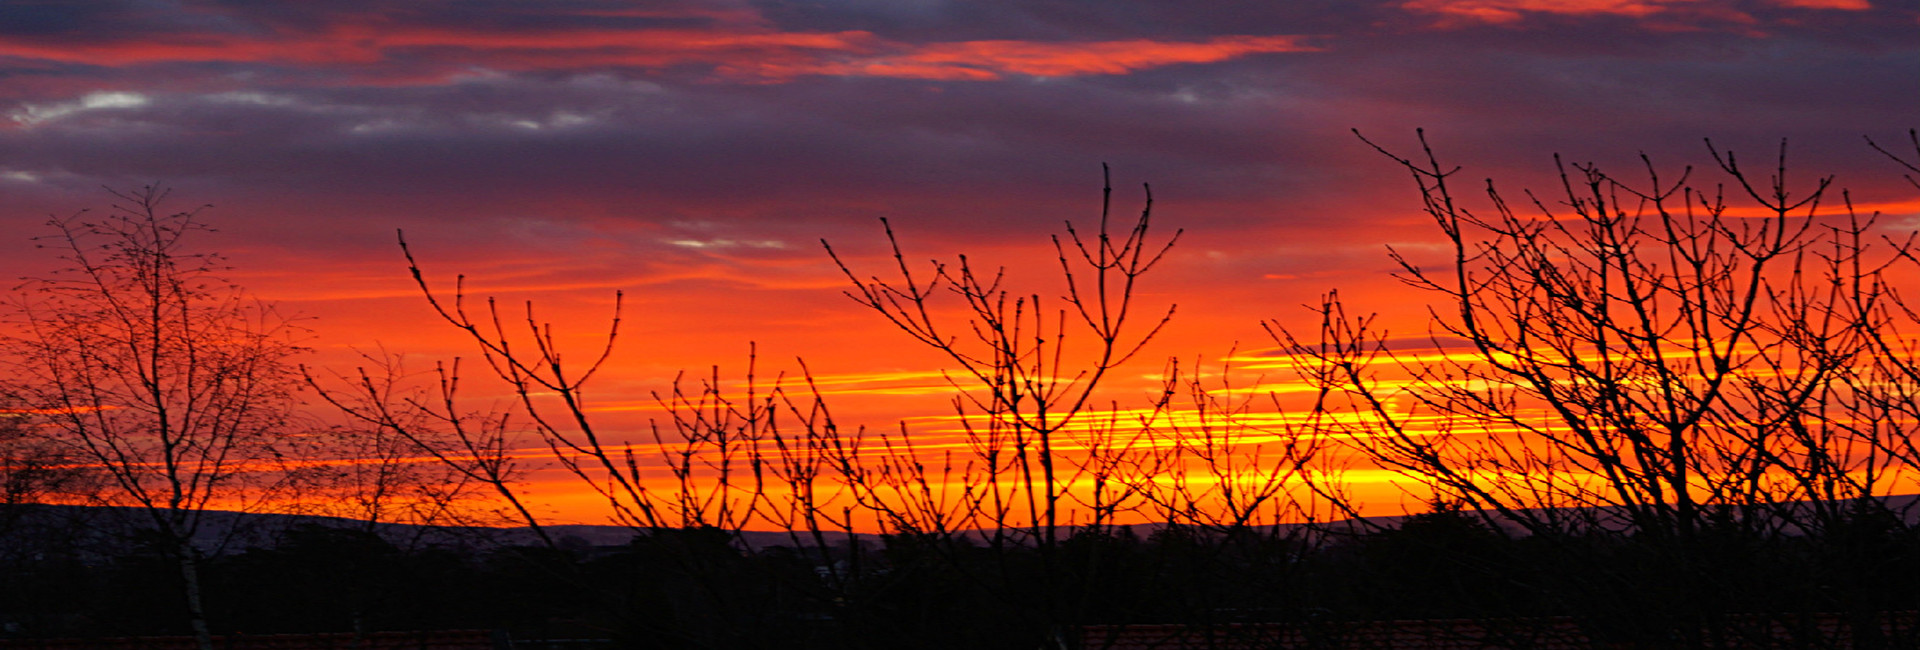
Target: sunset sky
column 694, row 154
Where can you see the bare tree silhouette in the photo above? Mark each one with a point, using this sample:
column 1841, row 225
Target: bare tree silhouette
column 1048, row 454
column 1023, row 382
column 145, row 365
column 1661, row 358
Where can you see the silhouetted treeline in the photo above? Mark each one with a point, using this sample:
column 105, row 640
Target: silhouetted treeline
column 1660, row 412
column 700, row 588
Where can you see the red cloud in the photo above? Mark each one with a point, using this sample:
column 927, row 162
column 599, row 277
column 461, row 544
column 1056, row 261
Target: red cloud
column 383, row 50
column 1455, row 12
column 1505, row 11
column 992, row 59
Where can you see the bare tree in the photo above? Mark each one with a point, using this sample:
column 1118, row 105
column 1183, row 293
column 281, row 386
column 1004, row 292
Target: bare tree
column 1022, row 376
column 403, row 456
column 702, row 449
column 1646, row 347
column 1657, row 357
column 1217, row 458
column 722, row 452
column 1029, row 374
column 32, row 470
column 168, row 380
column 1051, row 450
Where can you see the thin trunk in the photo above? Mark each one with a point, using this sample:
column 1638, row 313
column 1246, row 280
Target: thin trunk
column 196, row 612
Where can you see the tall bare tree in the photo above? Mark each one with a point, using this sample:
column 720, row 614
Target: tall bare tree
column 1028, row 370
column 1645, row 355
column 168, row 380
column 1656, row 347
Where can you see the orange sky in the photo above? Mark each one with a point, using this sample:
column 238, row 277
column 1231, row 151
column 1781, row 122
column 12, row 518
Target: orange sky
column 693, row 154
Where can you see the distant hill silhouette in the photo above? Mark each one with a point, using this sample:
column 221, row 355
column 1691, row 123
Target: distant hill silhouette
column 108, row 530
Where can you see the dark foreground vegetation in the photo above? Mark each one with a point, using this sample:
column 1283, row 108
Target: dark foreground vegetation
column 1731, row 586
column 1656, row 410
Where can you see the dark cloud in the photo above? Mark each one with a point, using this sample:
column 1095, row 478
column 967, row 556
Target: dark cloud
column 478, row 119
column 44, row 18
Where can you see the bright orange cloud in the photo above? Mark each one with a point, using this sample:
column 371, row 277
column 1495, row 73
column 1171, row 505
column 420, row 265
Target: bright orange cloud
column 991, row 59
column 1506, row 11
